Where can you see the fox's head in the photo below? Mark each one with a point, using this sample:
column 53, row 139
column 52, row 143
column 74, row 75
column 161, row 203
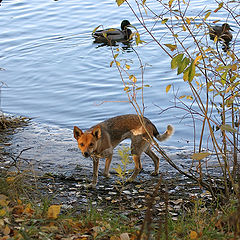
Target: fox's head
column 87, row 141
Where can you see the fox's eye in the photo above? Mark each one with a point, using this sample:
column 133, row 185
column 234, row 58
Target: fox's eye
column 81, row 144
column 91, row 144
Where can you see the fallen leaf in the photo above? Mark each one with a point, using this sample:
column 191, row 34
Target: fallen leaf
column 193, row 235
column 6, row 230
column 53, row 211
column 124, row 236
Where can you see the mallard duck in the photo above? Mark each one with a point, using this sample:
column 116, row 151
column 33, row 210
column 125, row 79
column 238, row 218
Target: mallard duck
column 222, row 32
column 114, row 34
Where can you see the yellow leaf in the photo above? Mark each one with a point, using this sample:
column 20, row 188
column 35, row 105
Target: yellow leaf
column 207, row 15
column 6, row 230
column 188, row 21
column 183, row 96
column 2, row 212
column 193, row 235
column 197, row 59
column 164, row 20
column 111, row 63
column 53, row 211
column 200, row 156
column 126, row 89
column 114, row 238
column 118, row 63
column 133, row 78
column 171, row 46
column 28, row 210
column 127, row 66
column 170, row 3
column 189, row 97
column 120, row 2
column 168, row 88
column 234, row 67
column 137, row 38
column 215, row 39
column 220, row 5
column 95, row 29
column 10, row 179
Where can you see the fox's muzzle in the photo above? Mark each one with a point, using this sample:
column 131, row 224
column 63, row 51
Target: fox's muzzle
column 86, row 154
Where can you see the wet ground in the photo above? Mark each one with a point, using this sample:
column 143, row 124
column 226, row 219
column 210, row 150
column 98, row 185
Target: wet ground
column 51, row 153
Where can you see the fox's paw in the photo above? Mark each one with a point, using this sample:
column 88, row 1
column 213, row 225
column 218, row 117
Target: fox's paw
column 106, row 175
column 154, row 173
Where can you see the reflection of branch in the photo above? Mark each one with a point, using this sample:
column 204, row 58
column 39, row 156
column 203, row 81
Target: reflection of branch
column 15, row 159
column 98, row 104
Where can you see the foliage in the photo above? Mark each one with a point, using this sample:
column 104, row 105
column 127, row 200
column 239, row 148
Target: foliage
column 211, row 75
column 121, row 169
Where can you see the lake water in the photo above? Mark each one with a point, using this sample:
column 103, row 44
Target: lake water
column 55, row 74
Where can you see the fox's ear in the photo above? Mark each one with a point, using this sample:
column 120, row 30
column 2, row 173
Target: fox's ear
column 77, row 132
column 96, row 132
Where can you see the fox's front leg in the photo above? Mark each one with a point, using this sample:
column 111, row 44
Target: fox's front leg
column 107, row 166
column 95, row 173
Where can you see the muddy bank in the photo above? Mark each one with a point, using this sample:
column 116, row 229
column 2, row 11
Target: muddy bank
column 52, row 154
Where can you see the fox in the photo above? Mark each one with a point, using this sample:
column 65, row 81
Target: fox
column 99, row 141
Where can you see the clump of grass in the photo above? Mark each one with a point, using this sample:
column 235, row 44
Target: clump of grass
column 11, row 122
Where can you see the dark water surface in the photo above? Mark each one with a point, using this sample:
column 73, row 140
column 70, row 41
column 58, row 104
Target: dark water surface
column 57, row 75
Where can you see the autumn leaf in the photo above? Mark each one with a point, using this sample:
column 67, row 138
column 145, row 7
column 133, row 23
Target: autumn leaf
column 164, row 20
column 53, row 211
column 168, row 88
column 127, row 66
column 220, row 5
column 207, row 15
column 133, row 78
column 124, row 236
column 172, row 47
column 197, row 59
column 96, row 28
column 170, row 3
column 193, row 235
column 6, row 230
column 189, row 97
column 120, row 2
column 2, row 212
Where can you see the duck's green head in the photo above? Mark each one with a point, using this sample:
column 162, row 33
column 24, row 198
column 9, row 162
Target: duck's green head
column 226, row 27
column 125, row 24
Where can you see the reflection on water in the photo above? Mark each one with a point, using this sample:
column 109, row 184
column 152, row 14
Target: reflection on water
column 56, row 74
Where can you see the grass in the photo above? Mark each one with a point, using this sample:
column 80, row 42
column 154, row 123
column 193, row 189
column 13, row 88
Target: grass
column 11, row 122
column 24, row 215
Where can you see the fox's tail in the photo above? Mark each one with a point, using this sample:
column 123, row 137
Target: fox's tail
column 168, row 133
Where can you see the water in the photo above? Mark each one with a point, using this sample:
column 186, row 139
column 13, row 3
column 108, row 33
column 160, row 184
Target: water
column 55, row 73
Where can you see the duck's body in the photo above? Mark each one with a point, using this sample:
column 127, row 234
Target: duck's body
column 222, row 32
column 113, row 34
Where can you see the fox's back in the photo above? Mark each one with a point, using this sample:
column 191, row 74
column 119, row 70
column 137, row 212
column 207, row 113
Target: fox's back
column 124, row 126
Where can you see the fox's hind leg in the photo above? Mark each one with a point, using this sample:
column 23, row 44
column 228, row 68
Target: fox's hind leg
column 155, row 159
column 138, row 146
